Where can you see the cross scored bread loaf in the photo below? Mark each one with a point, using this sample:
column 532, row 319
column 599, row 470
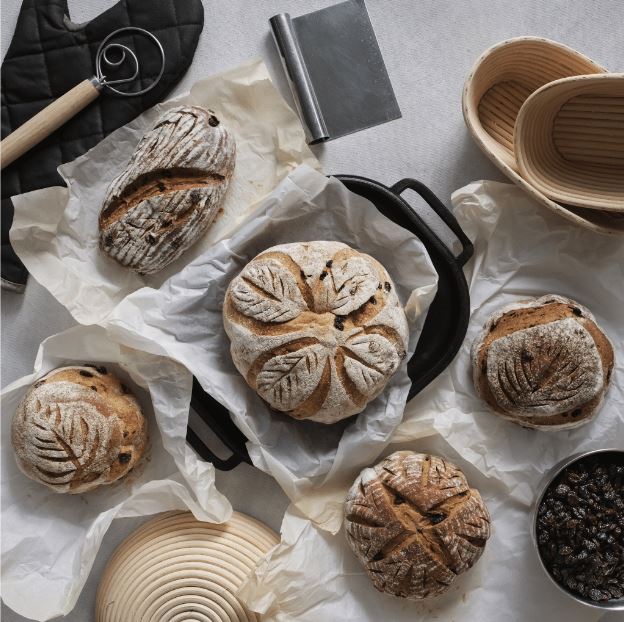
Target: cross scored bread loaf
column 415, row 524
column 170, row 192
column 78, row 428
column 316, row 328
column 543, row 363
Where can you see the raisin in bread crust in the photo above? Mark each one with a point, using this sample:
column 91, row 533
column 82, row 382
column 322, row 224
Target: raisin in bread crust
column 316, row 328
column 170, row 192
column 78, row 428
column 543, row 363
column 415, row 524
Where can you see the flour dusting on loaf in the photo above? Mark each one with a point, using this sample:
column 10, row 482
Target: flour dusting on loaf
column 414, row 523
column 316, row 328
column 170, row 192
column 543, row 363
column 78, row 428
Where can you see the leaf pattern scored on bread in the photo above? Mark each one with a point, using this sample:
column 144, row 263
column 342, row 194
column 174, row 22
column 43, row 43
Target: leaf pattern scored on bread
column 288, row 379
column 348, row 286
column 369, row 359
column 537, row 368
column 66, row 436
column 268, row 293
column 316, row 329
column 63, row 440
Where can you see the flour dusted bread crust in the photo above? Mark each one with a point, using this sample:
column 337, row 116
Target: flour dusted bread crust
column 414, row 523
column 78, row 428
column 170, row 192
column 543, row 363
column 316, row 328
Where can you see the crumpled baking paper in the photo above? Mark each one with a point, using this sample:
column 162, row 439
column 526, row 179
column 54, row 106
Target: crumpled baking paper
column 521, row 250
column 49, row 540
column 183, row 319
column 55, row 230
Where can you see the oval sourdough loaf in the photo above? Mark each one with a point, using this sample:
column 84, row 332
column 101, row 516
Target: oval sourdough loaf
column 170, row 192
column 316, row 328
column 543, row 363
column 78, row 428
column 415, row 524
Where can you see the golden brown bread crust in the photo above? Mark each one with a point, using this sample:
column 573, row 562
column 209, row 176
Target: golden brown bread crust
column 170, row 192
column 78, row 428
column 568, row 360
column 316, row 329
column 415, row 524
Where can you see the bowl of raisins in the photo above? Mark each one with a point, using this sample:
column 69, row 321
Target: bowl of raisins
column 578, row 527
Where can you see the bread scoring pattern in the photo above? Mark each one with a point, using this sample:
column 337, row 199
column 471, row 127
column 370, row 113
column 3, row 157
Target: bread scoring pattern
column 67, row 431
column 415, row 524
column 78, row 428
column 170, row 192
column 548, row 368
column 316, row 329
column 543, row 363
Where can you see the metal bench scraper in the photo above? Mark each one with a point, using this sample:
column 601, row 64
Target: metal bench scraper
column 335, row 69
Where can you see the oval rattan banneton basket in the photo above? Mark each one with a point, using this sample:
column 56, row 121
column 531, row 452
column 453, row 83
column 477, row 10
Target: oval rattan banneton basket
column 501, row 80
column 569, row 141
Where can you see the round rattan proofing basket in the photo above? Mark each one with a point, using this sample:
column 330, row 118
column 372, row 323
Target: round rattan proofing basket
column 177, row 568
column 501, row 80
column 569, row 141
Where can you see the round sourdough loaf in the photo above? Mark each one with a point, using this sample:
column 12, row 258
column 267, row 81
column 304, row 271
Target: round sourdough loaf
column 316, row 328
column 78, row 428
column 415, row 524
column 170, row 192
column 543, row 363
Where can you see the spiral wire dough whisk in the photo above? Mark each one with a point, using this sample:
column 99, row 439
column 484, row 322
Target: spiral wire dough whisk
column 71, row 103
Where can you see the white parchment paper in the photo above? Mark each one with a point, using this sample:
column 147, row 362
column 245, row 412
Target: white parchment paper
column 183, row 319
column 523, row 251
column 520, row 250
column 49, row 540
column 55, row 230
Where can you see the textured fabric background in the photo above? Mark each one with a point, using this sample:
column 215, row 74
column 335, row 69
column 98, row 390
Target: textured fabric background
column 429, row 47
column 34, row 73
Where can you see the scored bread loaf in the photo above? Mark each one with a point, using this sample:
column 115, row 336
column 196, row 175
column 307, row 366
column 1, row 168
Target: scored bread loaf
column 316, row 328
column 543, row 363
column 78, row 428
column 170, row 192
column 414, row 523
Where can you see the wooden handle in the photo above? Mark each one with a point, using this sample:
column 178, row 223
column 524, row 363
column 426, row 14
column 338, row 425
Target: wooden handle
column 45, row 122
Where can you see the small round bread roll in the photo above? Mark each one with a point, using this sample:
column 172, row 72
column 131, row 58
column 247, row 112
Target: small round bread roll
column 316, row 329
column 78, row 428
column 543, row 363
column 415, row 524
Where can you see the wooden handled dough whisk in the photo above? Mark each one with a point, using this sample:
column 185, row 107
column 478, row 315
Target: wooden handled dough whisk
column 67, row 106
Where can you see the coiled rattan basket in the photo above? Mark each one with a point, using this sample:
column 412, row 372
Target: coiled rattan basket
column 175, row 568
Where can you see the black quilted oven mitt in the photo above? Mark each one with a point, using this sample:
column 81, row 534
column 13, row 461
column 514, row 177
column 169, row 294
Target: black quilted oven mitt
column 49, row 55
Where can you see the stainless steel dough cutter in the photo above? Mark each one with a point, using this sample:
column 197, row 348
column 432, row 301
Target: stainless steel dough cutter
column 335, row 69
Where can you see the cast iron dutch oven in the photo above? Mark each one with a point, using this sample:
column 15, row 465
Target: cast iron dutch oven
column 443, row 331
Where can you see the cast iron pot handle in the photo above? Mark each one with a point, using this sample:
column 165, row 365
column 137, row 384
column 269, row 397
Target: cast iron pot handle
column 216, row 417
column 206, row 454
column 441, row 210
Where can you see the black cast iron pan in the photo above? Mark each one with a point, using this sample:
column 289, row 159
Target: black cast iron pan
column 443, row 331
